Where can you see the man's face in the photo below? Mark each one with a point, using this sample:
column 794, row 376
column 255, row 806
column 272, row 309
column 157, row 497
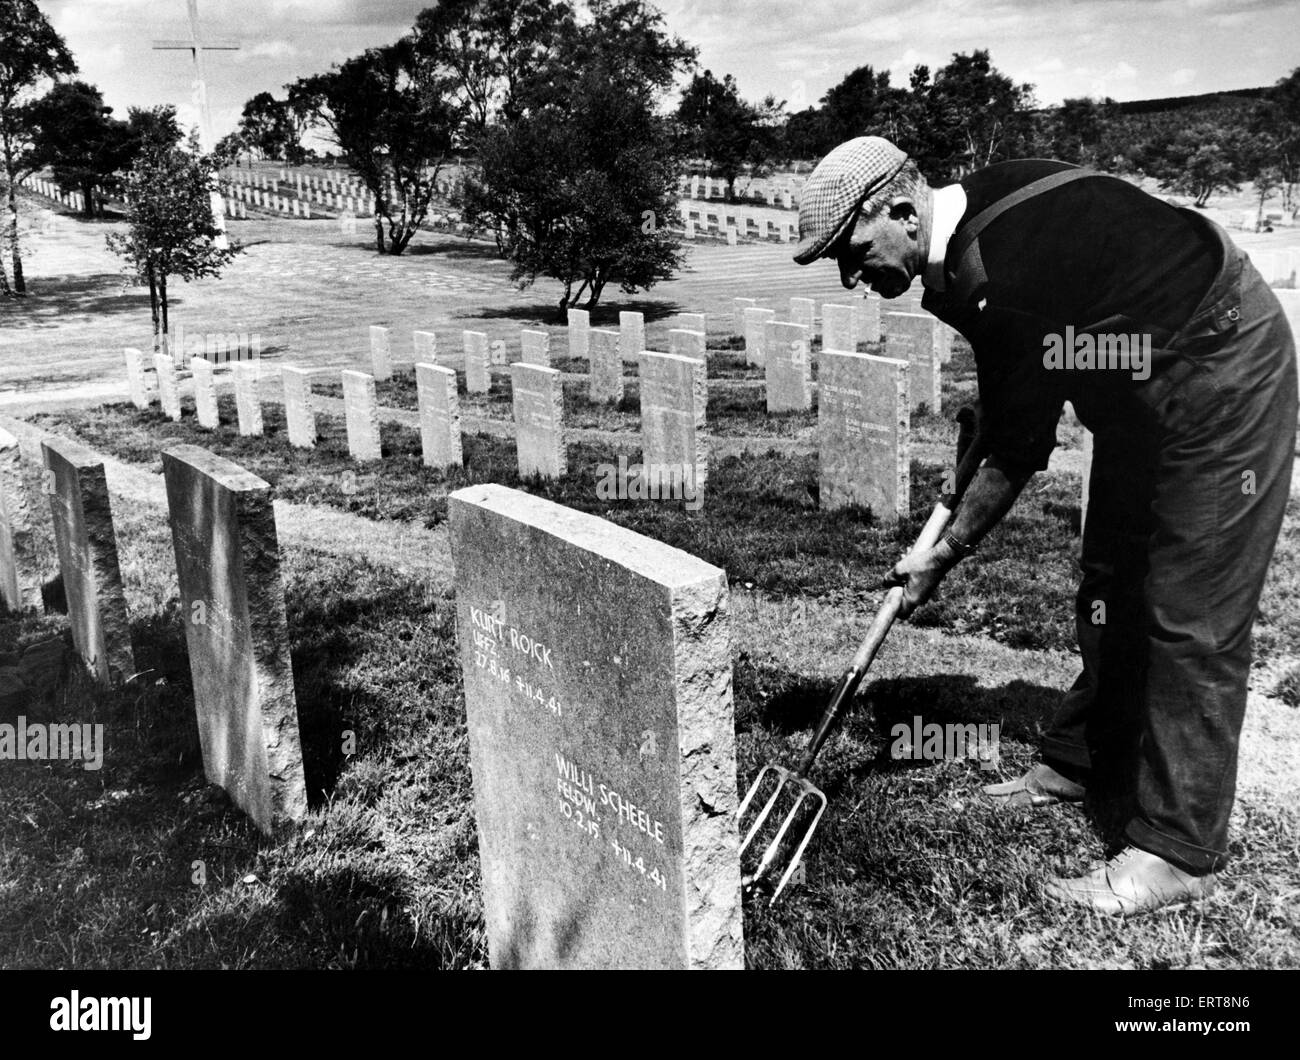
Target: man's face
column 882, row 252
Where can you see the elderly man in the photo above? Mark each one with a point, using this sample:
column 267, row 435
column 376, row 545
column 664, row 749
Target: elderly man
column 1041, row 265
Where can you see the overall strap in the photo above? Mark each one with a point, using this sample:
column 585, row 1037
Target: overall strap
column 970, row 267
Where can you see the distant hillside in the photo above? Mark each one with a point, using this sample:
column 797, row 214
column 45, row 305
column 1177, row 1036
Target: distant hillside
column 1209, row 101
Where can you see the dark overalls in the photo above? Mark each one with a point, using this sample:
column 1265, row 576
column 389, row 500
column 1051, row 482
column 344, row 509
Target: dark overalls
column 1190, row 478
column 1184, row 511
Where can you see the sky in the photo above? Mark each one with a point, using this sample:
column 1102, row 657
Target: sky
column 792, row 49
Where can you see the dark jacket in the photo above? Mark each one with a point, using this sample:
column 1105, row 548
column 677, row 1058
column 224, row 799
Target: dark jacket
column 1096, row 256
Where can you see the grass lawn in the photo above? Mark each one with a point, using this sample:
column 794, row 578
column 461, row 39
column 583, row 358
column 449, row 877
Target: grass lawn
column 99, row 869
column 142, row 864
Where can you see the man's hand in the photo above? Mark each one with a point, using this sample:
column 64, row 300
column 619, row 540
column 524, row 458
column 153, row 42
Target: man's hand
column 920, row 574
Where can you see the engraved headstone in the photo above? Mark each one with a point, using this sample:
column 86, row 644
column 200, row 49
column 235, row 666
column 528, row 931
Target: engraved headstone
column 538, row 398
column 597, row 675
column 381, row 359
column 169, row 387
column 536, row 346
column 606, row 367
column 690, row 322
column 478, row 379
column 863, row 416
column 87, row 548
column 361, row 409
column 756, row 321
column 248, row 397
column 232, row 597
column 788, row 371
column 20, row 581
column 674, row 399
column 838, row 328
column 439, row 415
column 298, row 412
column 136, row 385
column 205, row 393
column 914, row 337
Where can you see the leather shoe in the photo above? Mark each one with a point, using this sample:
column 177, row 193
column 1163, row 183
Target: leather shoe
column 1133, row 881
column 1041, row 786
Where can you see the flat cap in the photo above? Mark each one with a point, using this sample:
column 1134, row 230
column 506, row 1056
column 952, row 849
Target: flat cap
column 842, row 181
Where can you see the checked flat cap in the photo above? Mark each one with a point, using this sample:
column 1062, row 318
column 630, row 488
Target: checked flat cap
column 842, row 181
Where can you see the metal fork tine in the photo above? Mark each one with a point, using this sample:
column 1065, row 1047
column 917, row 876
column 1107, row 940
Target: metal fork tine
column 767, row 808
column 798, row 854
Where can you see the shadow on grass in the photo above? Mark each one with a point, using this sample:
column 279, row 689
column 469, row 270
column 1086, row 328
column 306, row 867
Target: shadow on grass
column 53, row 299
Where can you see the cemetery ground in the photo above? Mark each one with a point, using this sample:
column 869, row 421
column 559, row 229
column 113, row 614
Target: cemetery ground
column 142, row 864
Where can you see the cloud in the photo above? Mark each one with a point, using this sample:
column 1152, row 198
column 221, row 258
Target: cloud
column 1182, row 76
column 270, row 49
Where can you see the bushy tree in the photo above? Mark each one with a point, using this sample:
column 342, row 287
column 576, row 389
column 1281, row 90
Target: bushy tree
column 170, row 228
column 578, row 186
column 489, row 49
column 721, row 127
column 31, row 52
column 273, row 128
column 395, row 115
column 152, row 127
column 1198, row 161
column 973, row 116
column 1277, row 118
column 75, row 135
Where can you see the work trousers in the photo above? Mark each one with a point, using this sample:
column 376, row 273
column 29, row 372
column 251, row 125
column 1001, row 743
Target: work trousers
column 1185, row 506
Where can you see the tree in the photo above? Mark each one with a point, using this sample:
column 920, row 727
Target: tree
column 273, row 128
column 395, row 115
column 974, row 116
column 489, row 49
column 1277, row 117
column 1198, row 161
column 854, row 107
column 30, row 53
column 576, row 186
column 170, row 227
column 152, row 127
column 721, row 127
column 76, row 136
column 1077, row 131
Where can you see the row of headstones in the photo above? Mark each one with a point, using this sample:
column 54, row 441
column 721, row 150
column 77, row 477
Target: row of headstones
column 705, row 188
column 736, row 226
column 247, row 375
column 235, row 208
column 673, row 396
column 269, row 201
column 916, row 338
column 333, row 183
column 51, row 190
column 227, row 562
column 863, row 420
column 336, row 195
column 216, row 346
column 575, row 793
